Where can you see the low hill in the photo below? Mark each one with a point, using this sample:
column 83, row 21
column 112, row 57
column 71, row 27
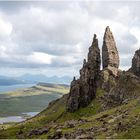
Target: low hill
column 33, row 99
column 10, row 81
column 32, row 78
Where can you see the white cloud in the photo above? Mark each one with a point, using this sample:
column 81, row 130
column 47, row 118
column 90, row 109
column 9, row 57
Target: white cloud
column 50, row 34
column 40, row 58
column 5, row 29
column 3, row 51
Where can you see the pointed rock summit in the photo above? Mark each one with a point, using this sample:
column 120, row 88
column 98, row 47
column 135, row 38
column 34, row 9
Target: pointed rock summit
column 136, row 63
column 92, row 66
column 83, row 90
column 110, row 56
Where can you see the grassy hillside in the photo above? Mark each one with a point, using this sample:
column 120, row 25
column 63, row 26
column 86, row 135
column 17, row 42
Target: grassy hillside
column 32, row 99
column 120, row 122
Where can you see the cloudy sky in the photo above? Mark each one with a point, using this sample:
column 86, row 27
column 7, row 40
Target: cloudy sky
column 53, row 37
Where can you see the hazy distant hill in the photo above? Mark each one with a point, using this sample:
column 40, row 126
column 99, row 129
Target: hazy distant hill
column 29, row 79
column 6, row 81
column 43, row 78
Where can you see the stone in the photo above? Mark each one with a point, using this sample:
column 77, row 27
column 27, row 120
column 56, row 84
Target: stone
column 58, row 134
column 136, row 63
column 122, row 93
column 92, row 66
column 71, row 123
column 74, row 95
column 84, row 136
column 83, row 90
column 112, row 120
column 38, row 132
column 110, row 56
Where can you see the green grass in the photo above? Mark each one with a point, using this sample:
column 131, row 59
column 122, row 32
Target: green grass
column 57, row 114
column 93, row 108
column 50, row 114
column 131, row 133
column 37, row 90
column 17, row 105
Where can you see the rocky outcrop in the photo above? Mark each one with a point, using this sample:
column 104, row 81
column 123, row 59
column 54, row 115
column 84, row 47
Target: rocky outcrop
column 83, row 90
column 110, row 61
column 136, row 63
column 111, row 80
column 126, row 88
column 110, row 56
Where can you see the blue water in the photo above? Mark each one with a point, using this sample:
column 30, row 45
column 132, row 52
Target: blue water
column 17, row 118
column 14, row 87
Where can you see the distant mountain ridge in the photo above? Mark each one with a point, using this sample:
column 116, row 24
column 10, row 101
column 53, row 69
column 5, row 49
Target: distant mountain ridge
column 33, row 79
column 7, row 81
column 45, row 79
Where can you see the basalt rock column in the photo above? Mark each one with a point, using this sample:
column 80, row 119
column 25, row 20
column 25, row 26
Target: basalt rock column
column 136, row 63
column 110, row 56
column 83, row 90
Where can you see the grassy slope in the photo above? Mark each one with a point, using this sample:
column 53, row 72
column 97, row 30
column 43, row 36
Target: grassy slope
column 38, row 90
column 55, row 112
column 120, row 122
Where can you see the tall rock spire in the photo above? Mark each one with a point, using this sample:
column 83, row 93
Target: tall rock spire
column 110, row 56
column 136, row 63
column 83, row 90
column 94, row 53
column 93, row 60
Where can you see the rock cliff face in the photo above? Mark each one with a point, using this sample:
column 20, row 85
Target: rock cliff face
column 83, row 90
column 136, row 63
column 110, row 56
column 110, row 79
column 110, row 61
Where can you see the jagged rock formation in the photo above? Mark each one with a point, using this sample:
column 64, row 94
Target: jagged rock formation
column 110, row 79
column 112, row 103
column 110, row 60
column 136, row 63
column 127, row 87
column 110, row 56
column 83, row 90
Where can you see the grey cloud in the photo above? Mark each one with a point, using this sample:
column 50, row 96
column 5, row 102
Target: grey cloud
column 58, row 28
column 126, row 43
column 126, row 61
column 11, row 7
column 64, row 30
column 20, row 63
